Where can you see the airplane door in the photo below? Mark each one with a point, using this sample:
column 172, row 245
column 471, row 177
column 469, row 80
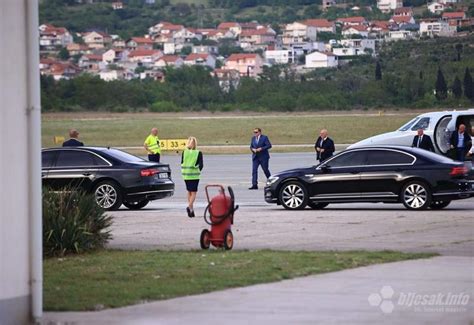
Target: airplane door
column 442, row 133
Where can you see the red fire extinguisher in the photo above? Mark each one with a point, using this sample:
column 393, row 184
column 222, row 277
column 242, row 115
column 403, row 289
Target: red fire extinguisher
column 219, row 214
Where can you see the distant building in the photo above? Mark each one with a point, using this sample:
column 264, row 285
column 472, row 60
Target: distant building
column 117, row 5
column 252, row 39
column 97, row 40
column 432, row 28
column 387, row 6
column 228, row 78
column 321, row 60
column 437, row 8
column 352, row 21
column 169, row 61
column 278, row 56
column 321, row 25
column 247, row 64
column 403, row 11
column 233, row 27
column 348, row 31
column 143, row 43
column 203, row 59
column 297, row 33
column 53, row 38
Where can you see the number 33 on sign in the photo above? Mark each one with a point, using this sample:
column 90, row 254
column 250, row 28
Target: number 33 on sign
column 173, row 144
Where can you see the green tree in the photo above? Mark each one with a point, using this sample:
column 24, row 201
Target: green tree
column 468, row 85
column 63, row 54
column 378, row 71
column 457, row 88
column 458, row 48
column 441, row 89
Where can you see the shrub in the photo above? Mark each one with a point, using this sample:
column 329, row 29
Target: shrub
column 73, row 223
column 164, row 106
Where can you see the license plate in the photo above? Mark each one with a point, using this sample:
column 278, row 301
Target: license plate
column 163, row 175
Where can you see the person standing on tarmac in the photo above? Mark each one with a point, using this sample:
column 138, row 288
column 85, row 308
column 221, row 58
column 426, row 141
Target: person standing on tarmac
column 259, row 145
column 152, row 146
column 73, row 139
column 324, row 146
column 191, row 167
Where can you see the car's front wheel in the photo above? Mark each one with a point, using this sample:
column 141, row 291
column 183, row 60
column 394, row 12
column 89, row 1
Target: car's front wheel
column 293, row 196
column 136, row 205
column 108, row 195
column 416, row 195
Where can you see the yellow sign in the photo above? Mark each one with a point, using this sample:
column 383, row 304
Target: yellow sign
column 58, row 140
column 173, row 144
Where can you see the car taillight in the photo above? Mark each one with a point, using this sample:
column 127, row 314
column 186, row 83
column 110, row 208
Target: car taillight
column 458, row 171
column 148, row 172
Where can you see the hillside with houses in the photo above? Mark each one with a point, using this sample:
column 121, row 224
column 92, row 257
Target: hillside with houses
column 233, row 50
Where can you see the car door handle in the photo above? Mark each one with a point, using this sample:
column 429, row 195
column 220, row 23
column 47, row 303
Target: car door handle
column 86, row 174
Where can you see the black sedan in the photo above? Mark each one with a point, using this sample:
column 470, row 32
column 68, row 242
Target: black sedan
column 417, row 178
column 113, row 176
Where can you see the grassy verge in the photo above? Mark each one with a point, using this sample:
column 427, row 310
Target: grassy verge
column 118, row 278
column 131, row 129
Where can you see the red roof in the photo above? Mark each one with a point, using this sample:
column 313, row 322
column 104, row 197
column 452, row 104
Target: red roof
column 318, row 23
column 454, row 15
column 251, row 32
column 354, row 20
column 94, row 57
column 48, row 61
column 142, row 40
column 50, row 29
column 143, row 52
column 402, row 19
column 241, row 56
column 380, row 24
column 227, row 25
column 170, row 26
column 169, row 58
column 196, row 56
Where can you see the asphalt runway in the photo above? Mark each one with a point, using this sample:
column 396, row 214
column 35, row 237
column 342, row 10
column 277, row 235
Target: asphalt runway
column 163, row 224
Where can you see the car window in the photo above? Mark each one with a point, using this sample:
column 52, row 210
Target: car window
column 47, row 158
column 388, row 157
column 122, row 155
column 354, row 158
column 422, row 123
column 71, row 158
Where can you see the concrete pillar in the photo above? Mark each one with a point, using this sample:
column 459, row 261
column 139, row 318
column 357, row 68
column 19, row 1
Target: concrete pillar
column 15, row 153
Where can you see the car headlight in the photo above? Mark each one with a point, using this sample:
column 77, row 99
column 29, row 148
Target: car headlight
column 271, row 180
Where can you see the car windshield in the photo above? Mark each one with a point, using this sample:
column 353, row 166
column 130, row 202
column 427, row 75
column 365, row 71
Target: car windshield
column 122, row 155
column 408, row 125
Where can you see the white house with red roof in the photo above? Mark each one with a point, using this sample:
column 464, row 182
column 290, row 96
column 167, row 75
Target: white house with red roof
column 247, row 64
column 204, row 59
column 352, row 21
column 233, row 27
column 146, row 57
column 435, row 27
column 252, row 39
column 402, row 20
column 97, row 40
column 298, row 33
column 169, row 61
column 361, row 30
column 164, row 27
column 437, row 7
column 455, row 18
column 321, row 25
column 321, row 60
column 387, row 6
column 115, row 55
column 75, row 48
column 144, row 43
column 53, row 38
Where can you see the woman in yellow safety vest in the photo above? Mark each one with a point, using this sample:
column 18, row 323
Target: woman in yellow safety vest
column 191, row 166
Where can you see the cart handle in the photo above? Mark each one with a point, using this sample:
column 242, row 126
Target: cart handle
column 213, row 185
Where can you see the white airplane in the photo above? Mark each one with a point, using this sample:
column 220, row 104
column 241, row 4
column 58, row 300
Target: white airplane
column 438, row 125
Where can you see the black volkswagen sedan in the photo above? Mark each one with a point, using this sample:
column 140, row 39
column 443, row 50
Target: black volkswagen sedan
column 417, row 178
column 113, row 176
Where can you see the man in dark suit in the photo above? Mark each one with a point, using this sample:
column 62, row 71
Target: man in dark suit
column 423, row 141
column 259, row 145
column 461, row 142
column 324, row 146
column 73, row 142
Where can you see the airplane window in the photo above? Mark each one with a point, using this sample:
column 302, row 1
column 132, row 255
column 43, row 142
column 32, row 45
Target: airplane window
column 422, row 123
column 407, row 126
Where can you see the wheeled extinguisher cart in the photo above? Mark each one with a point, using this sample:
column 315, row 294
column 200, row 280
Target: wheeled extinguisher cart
column 219, row 214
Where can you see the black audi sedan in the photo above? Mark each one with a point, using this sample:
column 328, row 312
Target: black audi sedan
column 417, row 178
column 113, row 176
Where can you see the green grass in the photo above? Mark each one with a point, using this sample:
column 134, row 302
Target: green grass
column 119, row 278
column 131, row 129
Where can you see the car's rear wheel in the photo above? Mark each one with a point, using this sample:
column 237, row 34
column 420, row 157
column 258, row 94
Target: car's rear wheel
column 293, row 196
column 108, row 195
column 438, row 205
column 317, row 206
column 416, row 195
column 136, row 205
